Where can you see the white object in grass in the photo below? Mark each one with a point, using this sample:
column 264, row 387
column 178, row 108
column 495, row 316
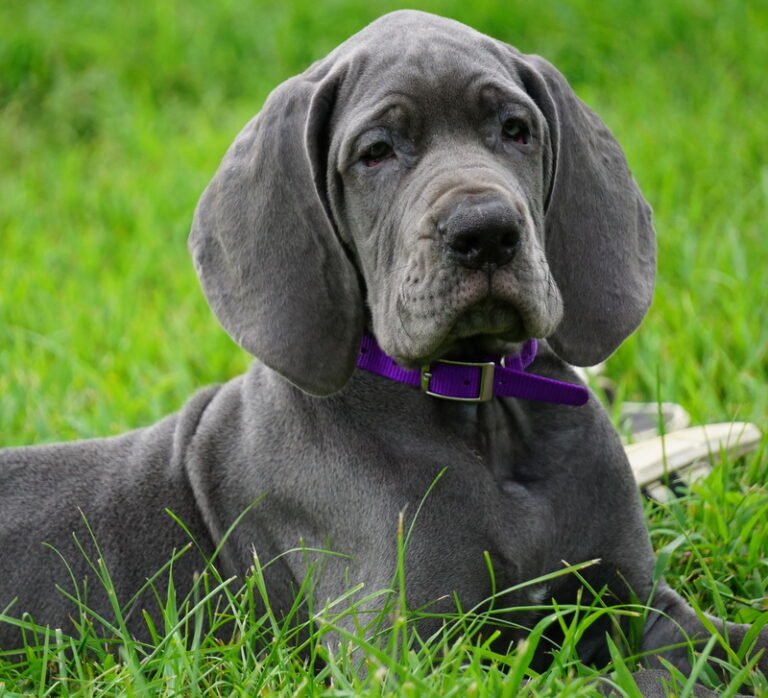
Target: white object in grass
column 686, row 455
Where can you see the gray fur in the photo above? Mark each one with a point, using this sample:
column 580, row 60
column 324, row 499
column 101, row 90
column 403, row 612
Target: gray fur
column 300, row 246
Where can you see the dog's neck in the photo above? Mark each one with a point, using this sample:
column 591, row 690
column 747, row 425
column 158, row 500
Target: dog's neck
column 476, row 381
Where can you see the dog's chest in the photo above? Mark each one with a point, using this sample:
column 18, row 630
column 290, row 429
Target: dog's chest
column 472, row 480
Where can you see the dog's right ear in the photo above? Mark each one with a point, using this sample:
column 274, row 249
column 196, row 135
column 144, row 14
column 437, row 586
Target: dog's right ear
column 599, row 238
column 269, row 259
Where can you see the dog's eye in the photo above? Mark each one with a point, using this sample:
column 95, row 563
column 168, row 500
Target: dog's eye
column 516, row 130
column 376, row 153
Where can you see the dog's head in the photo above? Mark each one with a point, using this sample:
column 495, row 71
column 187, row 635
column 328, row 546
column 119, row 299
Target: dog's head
column 435, row 184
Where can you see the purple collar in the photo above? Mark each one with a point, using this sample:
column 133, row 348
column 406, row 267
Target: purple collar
column 474, row 381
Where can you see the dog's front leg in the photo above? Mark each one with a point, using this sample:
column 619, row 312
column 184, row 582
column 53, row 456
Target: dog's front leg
column 673, row 622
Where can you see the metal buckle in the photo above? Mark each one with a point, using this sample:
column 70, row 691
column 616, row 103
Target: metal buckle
column 485, row 392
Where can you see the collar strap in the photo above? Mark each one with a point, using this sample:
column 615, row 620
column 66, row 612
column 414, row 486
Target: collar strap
column 469, row 381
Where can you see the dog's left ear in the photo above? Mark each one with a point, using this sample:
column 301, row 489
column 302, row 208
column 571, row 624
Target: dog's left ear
column 599, row 239
column 270, row 261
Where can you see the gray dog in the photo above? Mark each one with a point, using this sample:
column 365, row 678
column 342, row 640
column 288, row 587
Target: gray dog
column 436, row 195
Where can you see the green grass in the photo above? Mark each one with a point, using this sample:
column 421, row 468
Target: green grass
column 262, row 654
column 113, row 116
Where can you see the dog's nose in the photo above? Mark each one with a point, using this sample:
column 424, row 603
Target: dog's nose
column 482, row 235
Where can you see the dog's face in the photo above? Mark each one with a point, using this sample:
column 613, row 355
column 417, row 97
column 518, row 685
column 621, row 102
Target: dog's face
column 438, row 182
column 436, row 185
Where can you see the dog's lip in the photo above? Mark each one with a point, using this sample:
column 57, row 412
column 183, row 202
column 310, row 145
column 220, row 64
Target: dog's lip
column 482, row 346
column 485, row 330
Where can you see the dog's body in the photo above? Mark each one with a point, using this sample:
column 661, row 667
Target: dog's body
column 454, row 198
column 505, row 490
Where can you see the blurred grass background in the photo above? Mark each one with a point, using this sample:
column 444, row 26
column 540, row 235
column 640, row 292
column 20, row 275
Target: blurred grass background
column 113, row 117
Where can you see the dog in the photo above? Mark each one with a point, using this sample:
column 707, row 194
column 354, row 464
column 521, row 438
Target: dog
column 418, row 204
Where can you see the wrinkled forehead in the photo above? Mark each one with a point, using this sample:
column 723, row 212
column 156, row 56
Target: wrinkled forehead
column 424, row 58
column 419, row 37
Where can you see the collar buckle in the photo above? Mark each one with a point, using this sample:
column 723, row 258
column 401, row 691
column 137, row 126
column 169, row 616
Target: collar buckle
column 485, row 390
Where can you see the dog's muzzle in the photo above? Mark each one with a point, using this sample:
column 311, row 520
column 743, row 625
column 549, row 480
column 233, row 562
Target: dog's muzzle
column 482, row 234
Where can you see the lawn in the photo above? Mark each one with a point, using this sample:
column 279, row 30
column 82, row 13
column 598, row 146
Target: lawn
column 113, row 117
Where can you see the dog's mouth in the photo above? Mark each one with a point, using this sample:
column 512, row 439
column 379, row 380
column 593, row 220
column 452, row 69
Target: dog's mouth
column 486, row 330
column 469, row 315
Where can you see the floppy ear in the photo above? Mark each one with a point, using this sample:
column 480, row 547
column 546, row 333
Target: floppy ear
column 269, row 260
column 599, row 239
